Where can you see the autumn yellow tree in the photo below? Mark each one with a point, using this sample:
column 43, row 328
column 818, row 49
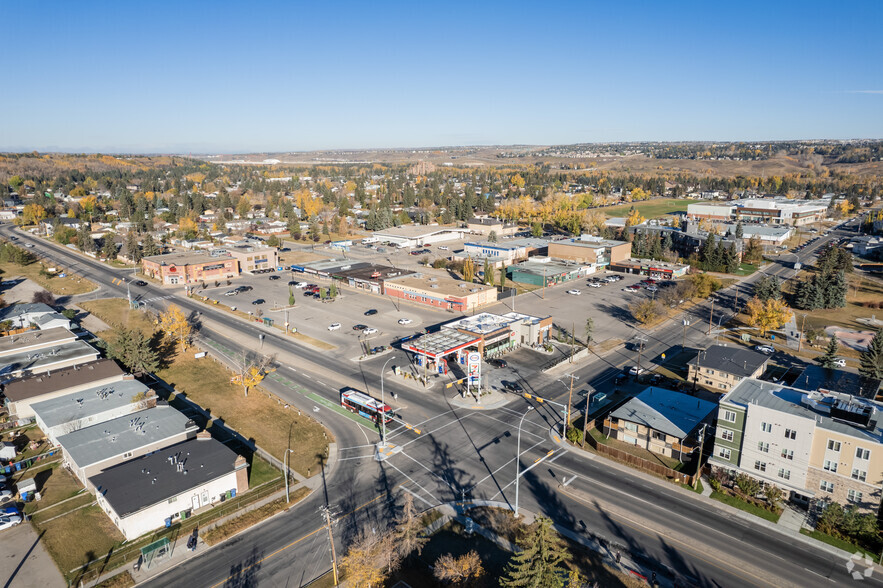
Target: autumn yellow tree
column 468, row 269
column 33, row 213
column 252, row 372
column 459, row 571
column 517, row 181
column 845, row 207
column 767, row 315
column 176, row 325
column 362, row 565
column 634, row 218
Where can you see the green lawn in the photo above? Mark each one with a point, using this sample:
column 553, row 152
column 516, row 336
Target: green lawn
column 650, row 208
column 745, row 269
column 261, row 471
column 838, row 543
column 79, row 537
column 747, row 507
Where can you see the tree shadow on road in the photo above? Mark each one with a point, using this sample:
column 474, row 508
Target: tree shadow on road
column 244, row 573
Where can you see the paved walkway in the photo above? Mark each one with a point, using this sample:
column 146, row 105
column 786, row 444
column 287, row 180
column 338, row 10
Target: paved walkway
column 792, row 519
column 488, row 401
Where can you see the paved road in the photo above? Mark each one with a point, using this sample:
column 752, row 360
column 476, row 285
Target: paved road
column 471, row 453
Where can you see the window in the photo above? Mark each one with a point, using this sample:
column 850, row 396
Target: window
column 658, row 436
column 784, row 474
column 859, row 475
column 724, row 453
column 633, row 427
column 766, row 427
column 724, row 386
column 826, row 486
column 760, row 466
column 729, row 416
column 861, row 453
column 833, row 445
column 790, row 434
column 709, row 372
column 763, row 447
column 788, row 454
column 726, row 435
column 173, row 499
column 830, row 466
column 854, row 496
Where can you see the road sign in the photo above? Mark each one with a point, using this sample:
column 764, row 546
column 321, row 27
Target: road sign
column 473, row 363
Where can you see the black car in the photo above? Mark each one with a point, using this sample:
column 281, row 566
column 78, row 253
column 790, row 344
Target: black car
column 512, row 386
column 274, row 277
column 371, row 312
column 258, row 301
column 499, row 363
column 139, row 283
column 360, row 327
column 245, row 288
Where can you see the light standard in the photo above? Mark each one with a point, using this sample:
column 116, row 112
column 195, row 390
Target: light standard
column 383, row 402
column 684, row 341
column 287, row 472
column 518, row 457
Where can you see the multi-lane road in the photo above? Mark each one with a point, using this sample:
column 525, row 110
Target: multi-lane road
column 471, row 453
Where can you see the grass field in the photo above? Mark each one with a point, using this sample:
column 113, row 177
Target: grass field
column 861, row 290
column 252, row 517
column 747, row 507
column 54, row 484
column 79, row 537
column 837, row 542
column 67, row 286
column 649, row 208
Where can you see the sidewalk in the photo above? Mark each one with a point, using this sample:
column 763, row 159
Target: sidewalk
column 488, row 401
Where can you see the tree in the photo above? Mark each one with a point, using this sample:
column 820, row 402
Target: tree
column 492, row 237
column 872, row 358
column 332, row 290
column 645, row 311
column 273, row 241
column 134, row 350
column 830, row 356
column 536, row 229
column 634, row 218
column 773, row 494
column 290, row 296
column 84, row 239
column 767, row 315
column 503, row 278
column 488, row 273
column 408, row 529
column 149, row 247
column 32, row 214
column 590, row 329
column 705, row 285
column 541, row 561
column 739, row 230
column 748, row 485
column 768, row 287
column 753, row 251
column 834, row 290
column 43, row 297
column 132, row 249
column 109, row 249
column 468, row 270
column 362, row 564
column 252, row 371
column 459, row 571
column 809, row 295
column 176, row 325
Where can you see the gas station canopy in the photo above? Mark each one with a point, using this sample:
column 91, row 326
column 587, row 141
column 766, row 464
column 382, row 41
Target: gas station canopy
column 441, row 343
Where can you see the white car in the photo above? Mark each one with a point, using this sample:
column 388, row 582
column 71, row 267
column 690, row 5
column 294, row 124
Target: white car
column 300, row 285
column 636, row 371
column 8, row 521
column 574, row 292
column 443, row 247
column 231, row 293
column 333, row 326
column 5, row 495
column 370, row 331
column 765, row 349
column 652, row 288
column 593, row 285
column 840, row 362
column 404, row 321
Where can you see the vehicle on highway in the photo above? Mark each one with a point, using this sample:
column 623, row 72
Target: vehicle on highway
column 512, row 386
column 371, row 312
column 574, row 292
column 636, row 371
column 498, row 363
column 274, row 277
column 360, row 327
column 404, row 321
column 370, row 331
column 366, row 406
column 765, row 349
column 29, row 245
column 8, row 521
column 139, row 283
column 258, row 301
column 231, row 293
column 621, row 378
column 333, row 326
column 839, row 362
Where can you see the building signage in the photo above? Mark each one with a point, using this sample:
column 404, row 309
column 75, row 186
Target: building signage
column 473, row 363
column 208, row 268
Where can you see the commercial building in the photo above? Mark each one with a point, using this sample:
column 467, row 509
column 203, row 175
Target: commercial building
column 662, row 421
column 369, row 277
column 486, row 225
column 544, row 271
column 772, row 211
column 170, row 484
column 409, row 236
column 507, row 252
column 91, row 450
column 720, row 368
column 22, row 393
column 253, row 258
column 71, row 412
column 767, row 235
column 440, row 292
column 591, row 250
column 818, row 447
column 190, row 267
column 661, row 270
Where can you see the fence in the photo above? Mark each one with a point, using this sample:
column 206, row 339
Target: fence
column 27, row 463
column 635, row 461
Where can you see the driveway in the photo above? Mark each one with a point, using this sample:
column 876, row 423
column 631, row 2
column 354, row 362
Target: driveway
column 25, row 562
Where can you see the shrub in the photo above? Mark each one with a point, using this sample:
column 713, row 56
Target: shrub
column 574, row 435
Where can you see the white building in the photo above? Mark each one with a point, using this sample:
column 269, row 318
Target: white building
column 176, row 482
column 409, row 236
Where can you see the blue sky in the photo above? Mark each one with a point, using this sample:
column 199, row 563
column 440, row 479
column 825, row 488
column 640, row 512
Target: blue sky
column 280, row 76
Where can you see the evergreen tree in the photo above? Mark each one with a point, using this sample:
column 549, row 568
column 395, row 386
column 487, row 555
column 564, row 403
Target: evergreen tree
column 834, row 290
column 84, row 239
column 739, row 231
column 827, row 360
column 488, row 273
column 731, row 259
column 541, row 563
column 707, row 251
column 109, row 249
column 872, row 358
column 810, row 295
column 768, row 287
column 503, row 278
column 133, row 250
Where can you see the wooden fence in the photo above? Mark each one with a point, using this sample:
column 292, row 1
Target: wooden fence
column 635, row 461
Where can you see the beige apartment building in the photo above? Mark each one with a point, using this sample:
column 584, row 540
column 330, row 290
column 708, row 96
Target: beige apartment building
column 720, row 368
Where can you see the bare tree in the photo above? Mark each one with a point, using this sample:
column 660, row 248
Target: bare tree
column 408, row 529
column 459, row 571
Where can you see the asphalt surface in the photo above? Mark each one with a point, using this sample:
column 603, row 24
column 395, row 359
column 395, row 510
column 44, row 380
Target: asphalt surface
column 471, row 454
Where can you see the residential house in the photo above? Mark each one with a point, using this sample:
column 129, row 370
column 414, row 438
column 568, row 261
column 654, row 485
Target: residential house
column 37, row 314
column 720, row 368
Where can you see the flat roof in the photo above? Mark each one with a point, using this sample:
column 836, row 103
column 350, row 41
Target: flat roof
column 415, row 231
column 670, row 412
column 440, row 285
column 15, row 310
column 186, row 258
column 35, row 339
column 367, row 271
column 749, row 229
column 40, row 359
column 441, row 342
column 510, row 244
column 91, row 401
column 550, row 268
column 789, row 400
column 591, row 244
column 69, row 377
column 632, row 262
column 123, row 434
column 487, row 322
column 815, row 377
column 148, row 480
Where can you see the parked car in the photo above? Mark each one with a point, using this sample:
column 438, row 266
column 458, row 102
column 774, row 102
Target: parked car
column 333, row 326
column 498, row 363
column 636, row 371
column 360, row 327
column 574, row 292
column 631, row 289
column 5, row 495
column 765, row 349
column 839, row 362
column 443, row 247
column 245, row 288
column 231, row 293
column 404, row 321
column 258, row 301
column 593, row 285
column 620, row 379
column 370, row 331
column 652, row 288
column 9, row 521
column 274, row 277
column 371, row 312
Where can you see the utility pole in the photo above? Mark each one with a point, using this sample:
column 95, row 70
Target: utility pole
column 326, row 512
column 684, row 340
column 589, row 391
column 641, row 339
column 699, row 459
column 569, row 406
column 710, row 317
column 800, row 335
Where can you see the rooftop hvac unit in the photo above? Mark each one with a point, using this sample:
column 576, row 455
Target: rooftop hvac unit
column 433, row 285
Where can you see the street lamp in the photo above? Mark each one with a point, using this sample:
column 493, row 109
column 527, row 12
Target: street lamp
column 383, row 402
column 518, row 457
column 287, row 472
column 684, row 341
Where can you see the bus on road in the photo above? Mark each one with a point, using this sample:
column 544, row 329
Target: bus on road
column 366, row 406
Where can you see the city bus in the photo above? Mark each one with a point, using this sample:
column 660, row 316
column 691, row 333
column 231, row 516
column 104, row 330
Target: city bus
column 366, row 406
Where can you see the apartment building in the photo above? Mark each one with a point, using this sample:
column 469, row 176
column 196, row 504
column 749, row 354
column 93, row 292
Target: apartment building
column 720, row 368
column 816, row 446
